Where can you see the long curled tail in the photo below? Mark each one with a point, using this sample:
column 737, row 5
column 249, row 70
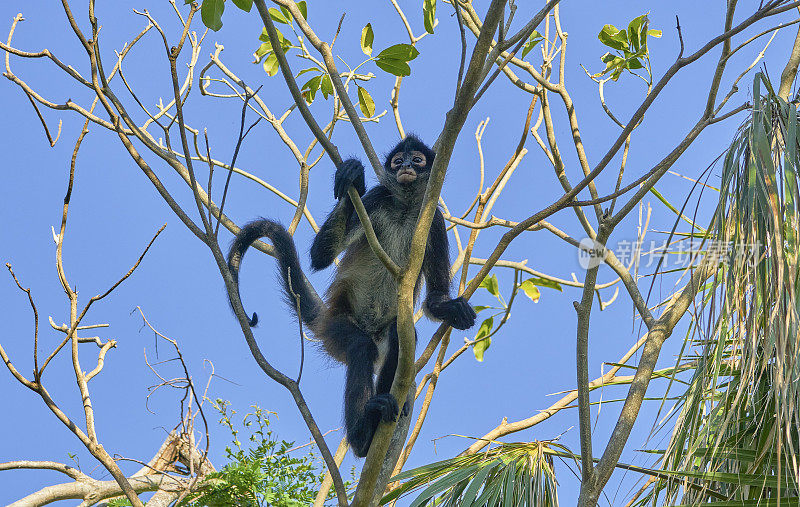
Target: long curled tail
column 294, row 281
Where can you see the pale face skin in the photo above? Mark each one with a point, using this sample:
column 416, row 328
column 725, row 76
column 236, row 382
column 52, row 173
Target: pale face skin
column 404, row 163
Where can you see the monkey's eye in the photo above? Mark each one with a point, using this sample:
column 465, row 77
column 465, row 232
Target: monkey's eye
column 417, row 160
column 397, row 160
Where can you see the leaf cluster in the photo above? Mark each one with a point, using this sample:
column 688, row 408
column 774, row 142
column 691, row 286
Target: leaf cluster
column 263, row 473
column 629, row 45
column 393, row 59
column 270, row 63
column 211, row 11
column 736, row 437
column 518, row 474
column 530, row 287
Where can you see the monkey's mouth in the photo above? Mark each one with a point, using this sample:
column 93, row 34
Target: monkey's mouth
column 406, row 175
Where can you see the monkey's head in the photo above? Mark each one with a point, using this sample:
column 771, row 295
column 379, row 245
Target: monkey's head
column 409, row 162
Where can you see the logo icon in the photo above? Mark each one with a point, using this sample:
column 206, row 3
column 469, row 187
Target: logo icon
column 590, row 253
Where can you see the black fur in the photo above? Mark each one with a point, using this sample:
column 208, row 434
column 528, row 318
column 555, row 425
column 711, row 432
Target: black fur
column 288, row 262
column 409, row 143
column 436, row 269
column 351, row 172
column 357, row 323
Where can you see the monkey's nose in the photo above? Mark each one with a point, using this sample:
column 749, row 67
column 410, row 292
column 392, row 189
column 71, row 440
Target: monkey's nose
column 406, row 174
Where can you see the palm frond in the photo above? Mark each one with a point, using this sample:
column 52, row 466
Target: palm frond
column 513, row 474
column 736, row 433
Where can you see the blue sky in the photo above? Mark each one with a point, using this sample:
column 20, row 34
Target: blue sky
column 115, row 211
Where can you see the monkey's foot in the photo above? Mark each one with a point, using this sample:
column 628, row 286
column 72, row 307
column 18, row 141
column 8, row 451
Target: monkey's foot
column 385, row 406
column 457, row 313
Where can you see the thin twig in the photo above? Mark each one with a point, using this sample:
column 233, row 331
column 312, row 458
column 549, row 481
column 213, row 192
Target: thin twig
column 463, row 48
column 242, row 135
column 35, row 335
column 299, row 324
column 44, row 123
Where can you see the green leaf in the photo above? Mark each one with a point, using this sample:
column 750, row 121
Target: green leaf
column 530, row 290
column 544, row 282
column 326, row 87
column 490, row 283
column 365, row 102
column 309, row 95
column 309, row 89
column 738, row 479
column 303, row 8
column 403, row 52
column 429, row 14
column 760, row 502
column 637, row 30
column 634, row 63
column 532, row 41
column 608, row 57
column 478, row 482
column 637, row 23
column 654, row 33
column 286, row 13
column 393, row 59
column 262, row 50
column 271, row 65
column 211, row 13
column 394, row 67
column 633, row 37
column 485, row 329
column 278, row 16
column 310, row 69
column 266, row 48
column 479, row 308
column 448, row 481
column 614, row 65
column 245, row 5
column 613, row 37
column 367, row 36
column 483, row 332
column 285, row 43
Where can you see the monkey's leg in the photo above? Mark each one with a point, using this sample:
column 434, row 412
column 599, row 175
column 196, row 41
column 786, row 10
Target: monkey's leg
column 386, row 375
column 363, row 409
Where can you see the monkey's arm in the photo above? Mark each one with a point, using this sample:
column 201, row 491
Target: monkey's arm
column 330, row 241
column 436, row 269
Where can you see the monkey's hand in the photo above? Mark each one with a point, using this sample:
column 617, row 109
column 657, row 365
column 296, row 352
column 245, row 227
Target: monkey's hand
column 456, row 313
column 385, row 406
column 350, row 172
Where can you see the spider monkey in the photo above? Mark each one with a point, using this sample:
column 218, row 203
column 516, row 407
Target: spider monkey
column 357, row 322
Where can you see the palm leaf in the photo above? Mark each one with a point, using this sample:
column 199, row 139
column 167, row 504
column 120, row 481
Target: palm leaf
column 737, row 428
column 513, row 474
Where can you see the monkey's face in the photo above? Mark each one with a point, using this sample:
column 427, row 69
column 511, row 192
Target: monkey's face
column 407, row 165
